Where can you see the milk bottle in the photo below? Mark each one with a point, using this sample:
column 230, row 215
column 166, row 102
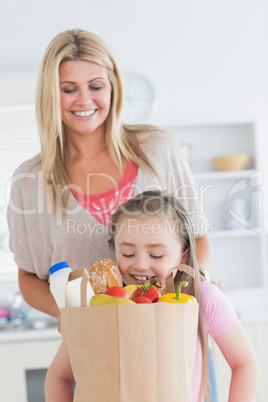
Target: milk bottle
column 58, row 278
column 59, row 274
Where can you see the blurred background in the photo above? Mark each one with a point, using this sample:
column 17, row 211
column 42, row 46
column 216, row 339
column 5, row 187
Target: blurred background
column 198, row 68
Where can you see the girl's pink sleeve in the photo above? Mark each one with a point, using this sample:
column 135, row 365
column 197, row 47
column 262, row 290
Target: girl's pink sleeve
column 219, row 311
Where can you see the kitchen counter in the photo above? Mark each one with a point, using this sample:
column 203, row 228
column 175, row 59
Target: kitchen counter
column 26, row 335
column 48, row 330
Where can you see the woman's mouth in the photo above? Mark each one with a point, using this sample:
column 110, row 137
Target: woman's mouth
column 84, row 113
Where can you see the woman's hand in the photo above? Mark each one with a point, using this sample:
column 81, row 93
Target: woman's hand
column 37, row 294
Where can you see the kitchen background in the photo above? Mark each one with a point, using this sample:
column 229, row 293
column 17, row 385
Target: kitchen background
column 207, row 62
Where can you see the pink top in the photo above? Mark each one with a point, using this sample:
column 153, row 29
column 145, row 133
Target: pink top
column 103, row 206
column 220, row 317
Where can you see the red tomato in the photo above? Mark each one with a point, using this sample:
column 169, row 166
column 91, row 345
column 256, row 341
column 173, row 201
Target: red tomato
column 117, row 291
column 150, row 292
column 142, row 299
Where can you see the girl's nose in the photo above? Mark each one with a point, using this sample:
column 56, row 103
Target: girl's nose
column 141, row 264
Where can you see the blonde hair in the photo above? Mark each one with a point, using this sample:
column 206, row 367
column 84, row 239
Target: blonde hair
column 121, row 141
column 155, row 203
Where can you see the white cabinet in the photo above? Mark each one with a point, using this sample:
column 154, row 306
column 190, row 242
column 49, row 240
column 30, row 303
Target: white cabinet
column 23, row 354
column 236, row 233
column 258, row 334
column 20, row 357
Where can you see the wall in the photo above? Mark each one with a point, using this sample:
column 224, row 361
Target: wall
column 207, row 60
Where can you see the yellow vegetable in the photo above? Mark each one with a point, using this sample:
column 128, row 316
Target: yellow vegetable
column 130, row 289
column 100, row 299
column 178, row 297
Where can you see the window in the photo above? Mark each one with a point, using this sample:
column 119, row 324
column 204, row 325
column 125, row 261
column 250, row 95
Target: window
column 19, row 141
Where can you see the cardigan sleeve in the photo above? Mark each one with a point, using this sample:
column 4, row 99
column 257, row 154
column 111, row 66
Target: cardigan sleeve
column 16, row 214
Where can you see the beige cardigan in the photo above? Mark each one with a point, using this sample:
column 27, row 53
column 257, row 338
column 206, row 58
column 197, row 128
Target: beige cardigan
column 40, row 238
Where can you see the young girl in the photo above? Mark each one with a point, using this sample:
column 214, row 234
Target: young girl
column 151, row 234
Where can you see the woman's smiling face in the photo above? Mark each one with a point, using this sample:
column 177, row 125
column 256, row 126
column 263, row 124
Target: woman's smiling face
column 85, row 96
column 146, row 248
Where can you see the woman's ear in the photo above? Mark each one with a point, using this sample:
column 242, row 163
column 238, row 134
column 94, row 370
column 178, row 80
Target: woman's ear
column 185, row 257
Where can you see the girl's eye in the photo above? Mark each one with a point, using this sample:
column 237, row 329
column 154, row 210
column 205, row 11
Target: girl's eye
column 128, row 255
column 156, row 256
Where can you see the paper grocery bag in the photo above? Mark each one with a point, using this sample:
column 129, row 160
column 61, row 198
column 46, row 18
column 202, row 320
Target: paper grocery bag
column 132, row 353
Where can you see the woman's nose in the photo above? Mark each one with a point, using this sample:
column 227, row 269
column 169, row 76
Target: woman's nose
column 85, row 97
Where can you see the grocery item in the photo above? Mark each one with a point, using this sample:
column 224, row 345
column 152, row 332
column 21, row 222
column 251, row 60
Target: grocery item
column 102, row 299
column 65, row 283
column 178, row 297
column 142, row 300
column 130, row 289
column 117, row 291
column 160, row 335
column 104, row 274
column 146, row 290
column 58, row 278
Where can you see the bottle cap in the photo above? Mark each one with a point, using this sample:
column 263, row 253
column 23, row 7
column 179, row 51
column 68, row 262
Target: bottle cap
column 57, row 267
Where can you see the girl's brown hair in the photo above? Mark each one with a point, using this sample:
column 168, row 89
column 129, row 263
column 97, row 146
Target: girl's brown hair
column 155, row 203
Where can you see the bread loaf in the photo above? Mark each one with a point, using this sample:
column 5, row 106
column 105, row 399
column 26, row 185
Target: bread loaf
column 104, row 274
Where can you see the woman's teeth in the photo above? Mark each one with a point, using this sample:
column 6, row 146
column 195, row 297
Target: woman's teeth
column 86, row 113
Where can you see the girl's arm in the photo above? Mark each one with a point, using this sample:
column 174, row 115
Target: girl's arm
column 239, row 354
column 37, row 294
column 59, row 379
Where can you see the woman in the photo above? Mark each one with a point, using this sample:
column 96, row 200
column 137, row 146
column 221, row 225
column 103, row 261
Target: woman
column 62, row 200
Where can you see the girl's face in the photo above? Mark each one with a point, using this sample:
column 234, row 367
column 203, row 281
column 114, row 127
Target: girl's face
column 146, row 248
column 85, row 96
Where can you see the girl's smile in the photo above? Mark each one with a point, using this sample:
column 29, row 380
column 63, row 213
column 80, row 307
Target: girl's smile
column 146, row 249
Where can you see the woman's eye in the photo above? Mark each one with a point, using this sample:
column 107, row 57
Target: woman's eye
column 128, row 255
column 69, row 91
column 95, row 87
column 157, row 256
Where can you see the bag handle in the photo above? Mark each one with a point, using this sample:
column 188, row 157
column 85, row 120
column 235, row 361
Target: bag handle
column 170, row 288
column 84, row 282
column 78, row 273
